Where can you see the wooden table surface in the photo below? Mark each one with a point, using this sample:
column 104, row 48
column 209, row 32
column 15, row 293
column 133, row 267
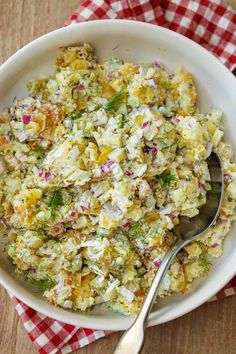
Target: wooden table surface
column 211, row 329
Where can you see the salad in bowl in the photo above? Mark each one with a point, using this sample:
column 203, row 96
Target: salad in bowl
column 98, row 162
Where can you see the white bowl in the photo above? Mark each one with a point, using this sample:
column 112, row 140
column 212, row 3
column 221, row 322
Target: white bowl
column 137, row 42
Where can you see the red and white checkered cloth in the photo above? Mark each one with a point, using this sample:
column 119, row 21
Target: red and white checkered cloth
column 210, row 23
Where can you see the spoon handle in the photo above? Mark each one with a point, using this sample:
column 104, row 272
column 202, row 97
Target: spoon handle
column 132, row 340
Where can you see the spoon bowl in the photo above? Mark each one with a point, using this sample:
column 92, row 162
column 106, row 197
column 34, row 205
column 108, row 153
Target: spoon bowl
column 188, row 230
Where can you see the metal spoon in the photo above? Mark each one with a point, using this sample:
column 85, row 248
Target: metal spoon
column 188, row 230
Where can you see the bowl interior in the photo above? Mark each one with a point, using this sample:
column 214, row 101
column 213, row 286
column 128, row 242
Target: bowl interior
column 137, row 42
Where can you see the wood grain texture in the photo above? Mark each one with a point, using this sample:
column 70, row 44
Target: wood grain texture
column 211, row 329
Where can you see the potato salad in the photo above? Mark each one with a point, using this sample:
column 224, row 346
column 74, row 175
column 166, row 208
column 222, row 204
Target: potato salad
column 97, row 164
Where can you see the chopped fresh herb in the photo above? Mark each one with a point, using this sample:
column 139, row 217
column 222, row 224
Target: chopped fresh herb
column 204, row 264
column 166, row 84
column 174, row 109
column 40, row 161
column 43, row 284
column 202, row 246
column 166, row 112
column 141, row 271
column 115, row 101
column 75, row 116
column 135, row 229
column 165, row 142
column 41, row 156
column 56, row 200
column 166, row 177
column 208, row 186
column 120, row 120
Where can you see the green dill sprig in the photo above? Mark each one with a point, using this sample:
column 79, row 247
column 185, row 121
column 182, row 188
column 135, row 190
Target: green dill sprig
column 56, row 200
column 202, row 246
column 135, row 229
column 204, row 264
column 115, row 101
column 43, row 284
column 166, row 177
column 75, row 116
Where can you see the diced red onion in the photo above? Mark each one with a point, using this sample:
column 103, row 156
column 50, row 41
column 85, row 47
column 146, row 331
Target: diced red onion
column 202, row 188
column 26, row 118
column 150, row 144
column 80, row 87
column 41, row 171
column 157, row 122
column 54, row 256
column 145, row 125
column 152, row 149
column 157, row 262
column 175, row 120
column 33, row 270
column 72, row 214
column 226, row 176
column 47, row 176
column 108, row 166
column 4, row 221
column 156, row 64
column 126, row 224
column 37, row 97
column 215, row 245
column 155, row 150
column 128, row 173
